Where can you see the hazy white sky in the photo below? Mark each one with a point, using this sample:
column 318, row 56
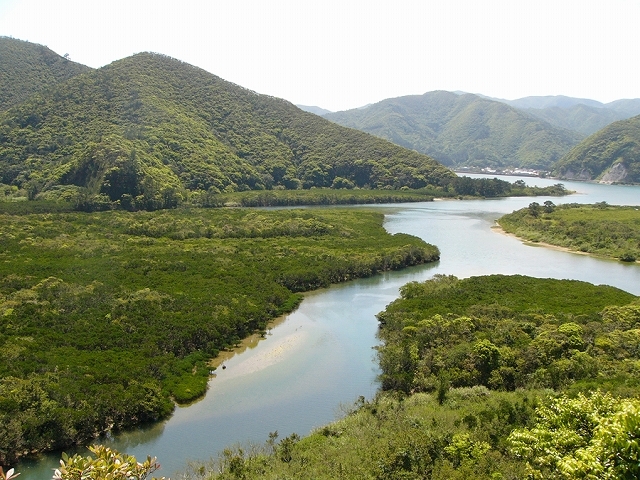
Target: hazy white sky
column 340, row 54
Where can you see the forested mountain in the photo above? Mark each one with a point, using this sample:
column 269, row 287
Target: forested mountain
column 610, row 155
column 463, row 130
column 629, row 106
column 27, row 68
column 147, row 128
column 582, row 115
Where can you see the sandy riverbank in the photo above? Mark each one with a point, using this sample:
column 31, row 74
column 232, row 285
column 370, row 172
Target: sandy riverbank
column 259, row 352
column 498, row 229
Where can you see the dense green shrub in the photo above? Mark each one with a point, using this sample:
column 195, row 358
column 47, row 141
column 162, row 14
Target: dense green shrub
column 484, row 346
column 507, row 332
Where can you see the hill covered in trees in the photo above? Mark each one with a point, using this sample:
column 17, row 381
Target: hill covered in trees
column 27, row 68
column 581, row 118
column 147, row 129
column 463, row 130
column 611, row 155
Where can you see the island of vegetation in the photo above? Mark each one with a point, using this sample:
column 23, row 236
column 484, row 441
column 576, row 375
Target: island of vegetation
column 495, row 377
column 600, row 229
column 107, row 318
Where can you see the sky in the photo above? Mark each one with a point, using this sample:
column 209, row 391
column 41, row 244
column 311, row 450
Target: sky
column 341, row 54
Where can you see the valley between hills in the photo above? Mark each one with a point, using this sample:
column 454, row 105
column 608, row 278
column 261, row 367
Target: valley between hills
column 132, row 254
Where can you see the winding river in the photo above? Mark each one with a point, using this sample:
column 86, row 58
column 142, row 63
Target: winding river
column 321, row 357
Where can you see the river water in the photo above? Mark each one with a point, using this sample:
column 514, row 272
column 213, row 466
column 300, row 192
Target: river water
column 321, row 358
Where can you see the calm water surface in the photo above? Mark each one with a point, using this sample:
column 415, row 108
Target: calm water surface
column 322, row 357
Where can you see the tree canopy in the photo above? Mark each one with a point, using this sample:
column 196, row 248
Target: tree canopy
column 27, row 68
column 600, row 229
column 107, row 318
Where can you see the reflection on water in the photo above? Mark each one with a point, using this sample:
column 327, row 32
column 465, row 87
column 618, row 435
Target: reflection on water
column 322, row 354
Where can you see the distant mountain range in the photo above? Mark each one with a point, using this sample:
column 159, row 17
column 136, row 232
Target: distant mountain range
column 552, row 101
column 314, row 110
column 463, row 130
column 148, row 128
column 578, row 114
column 474, row 131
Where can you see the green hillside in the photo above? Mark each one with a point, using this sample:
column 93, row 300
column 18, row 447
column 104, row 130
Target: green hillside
column 580, row 118
column 27, row 68
column 149, row 128
column 580, row 115
column 463, row 130
column 611, row 155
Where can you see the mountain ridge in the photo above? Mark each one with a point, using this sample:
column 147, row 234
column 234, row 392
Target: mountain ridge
column 151, row 126
column 462, row 130
column 27, row 68
column 582, row 115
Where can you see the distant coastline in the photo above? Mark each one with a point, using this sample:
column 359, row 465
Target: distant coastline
column 518, row 172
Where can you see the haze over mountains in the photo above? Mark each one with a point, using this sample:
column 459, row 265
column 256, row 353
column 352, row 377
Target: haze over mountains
column 464, row 130
column 579, row 114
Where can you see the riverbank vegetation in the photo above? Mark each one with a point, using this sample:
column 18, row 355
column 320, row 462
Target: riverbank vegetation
column 600, row 229
column 14, row 200
column 495, row 377
column 106, row 318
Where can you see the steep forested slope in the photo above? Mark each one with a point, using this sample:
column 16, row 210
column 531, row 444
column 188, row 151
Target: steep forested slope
column 26, row 68
column 610, row 155
column 150, row 126
column 462, row 130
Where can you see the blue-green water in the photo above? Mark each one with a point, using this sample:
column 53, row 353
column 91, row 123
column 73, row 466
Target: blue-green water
column 322, row 356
